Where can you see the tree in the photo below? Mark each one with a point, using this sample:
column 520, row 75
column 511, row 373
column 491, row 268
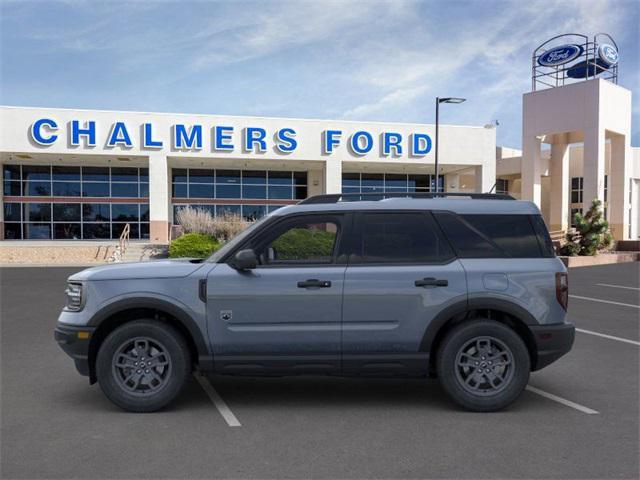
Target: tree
column 591, row 234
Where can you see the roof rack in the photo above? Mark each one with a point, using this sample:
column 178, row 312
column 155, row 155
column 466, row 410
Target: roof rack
column 372, row 196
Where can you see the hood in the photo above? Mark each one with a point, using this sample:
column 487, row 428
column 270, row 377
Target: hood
column 140, row 270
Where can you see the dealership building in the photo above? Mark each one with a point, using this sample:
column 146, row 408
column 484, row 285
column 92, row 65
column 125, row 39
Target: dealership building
column 86, row 174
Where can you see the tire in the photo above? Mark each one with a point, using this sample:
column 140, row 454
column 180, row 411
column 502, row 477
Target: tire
column 138, row 385
column 469, row 348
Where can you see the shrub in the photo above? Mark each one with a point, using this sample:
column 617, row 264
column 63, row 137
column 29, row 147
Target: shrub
column 222, row 227
column 591, row 235
column 193, row 245
column 302, row 243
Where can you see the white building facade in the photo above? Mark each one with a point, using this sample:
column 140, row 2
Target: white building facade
column 85, row 174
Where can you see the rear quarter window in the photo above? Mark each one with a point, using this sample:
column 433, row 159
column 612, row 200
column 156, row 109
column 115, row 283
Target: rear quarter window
column 492, row 236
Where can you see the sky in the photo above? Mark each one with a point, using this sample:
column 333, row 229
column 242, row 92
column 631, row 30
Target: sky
column 345, row 60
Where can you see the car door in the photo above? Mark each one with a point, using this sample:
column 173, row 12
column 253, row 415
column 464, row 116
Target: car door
column 401, row 274
column 285, row 315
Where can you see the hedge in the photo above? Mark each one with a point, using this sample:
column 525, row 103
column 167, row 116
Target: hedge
column 302, row 243
column 193, row 245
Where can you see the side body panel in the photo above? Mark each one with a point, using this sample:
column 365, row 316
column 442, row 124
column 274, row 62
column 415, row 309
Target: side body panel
column 386, row 315
column 528, row 283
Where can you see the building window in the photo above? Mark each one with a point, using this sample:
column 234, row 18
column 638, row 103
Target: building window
column 576, row 189
column 99, row 202
column 502, row 186
column 236, row 191
column 389, row 183
column 573, row 212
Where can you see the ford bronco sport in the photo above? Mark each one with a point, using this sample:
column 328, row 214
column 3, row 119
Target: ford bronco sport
column 463, row 287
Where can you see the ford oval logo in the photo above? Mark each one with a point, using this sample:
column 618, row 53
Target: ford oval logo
column 560, row 55
column 608, row 54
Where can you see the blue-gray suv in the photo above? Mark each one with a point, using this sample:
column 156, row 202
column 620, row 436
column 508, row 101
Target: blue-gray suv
column 463, row 287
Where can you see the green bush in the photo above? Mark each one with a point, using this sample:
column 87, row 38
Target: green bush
column 591, row 234
column 193, row 245
column 302, row 243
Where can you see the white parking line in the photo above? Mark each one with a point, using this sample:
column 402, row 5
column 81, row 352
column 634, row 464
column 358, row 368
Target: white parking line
column 610, row 337
column 563, row 401
column 616, row 286
column 604, row 301
column 217, row 400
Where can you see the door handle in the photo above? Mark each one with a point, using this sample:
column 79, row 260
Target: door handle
column 431, row 282
column 314, row 283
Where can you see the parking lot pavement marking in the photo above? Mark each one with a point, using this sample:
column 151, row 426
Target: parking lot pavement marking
column 563, row 401
column 604, row 301
column 610, row 337
column 616, row 286
column 217, row 400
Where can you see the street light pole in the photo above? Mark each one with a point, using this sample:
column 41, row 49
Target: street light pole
column 437, row 142
column 438, row 102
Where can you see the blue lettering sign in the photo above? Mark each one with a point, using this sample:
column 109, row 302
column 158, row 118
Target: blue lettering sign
column 119, row 136
column 222, row 135
column 147, row 138
column 255, row 136
column 189, row 139
column 391, row 140
column 89, row 131
column 421, row 144
column 358, row 147
column 286, row 142
column 37, row 134
column 331, row 140
column 560, row 55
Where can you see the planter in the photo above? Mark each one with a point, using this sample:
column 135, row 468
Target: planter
column 602, row 259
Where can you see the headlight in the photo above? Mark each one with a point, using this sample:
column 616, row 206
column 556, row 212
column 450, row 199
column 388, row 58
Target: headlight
column 74, row 297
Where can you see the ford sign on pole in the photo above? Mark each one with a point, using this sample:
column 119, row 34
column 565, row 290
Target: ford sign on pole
column 608, row 54
column 560, row 55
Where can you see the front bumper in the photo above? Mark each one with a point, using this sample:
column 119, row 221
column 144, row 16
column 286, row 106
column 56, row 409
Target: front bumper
column 552, row 342
column 75, row 343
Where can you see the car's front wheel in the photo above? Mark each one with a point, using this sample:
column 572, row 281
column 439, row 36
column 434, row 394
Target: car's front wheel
column 143, row 365
column 483, row 365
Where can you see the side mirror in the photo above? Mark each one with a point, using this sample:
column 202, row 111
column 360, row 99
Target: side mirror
column 245, row 260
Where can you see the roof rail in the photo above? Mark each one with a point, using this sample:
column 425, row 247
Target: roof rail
column 372, row 196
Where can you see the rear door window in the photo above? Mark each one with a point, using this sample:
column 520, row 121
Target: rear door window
column 400, row 238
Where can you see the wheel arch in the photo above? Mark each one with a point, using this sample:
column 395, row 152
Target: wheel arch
column 126, row 310
column 503, row 311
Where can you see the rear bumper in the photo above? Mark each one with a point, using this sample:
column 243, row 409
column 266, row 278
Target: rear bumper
column 552, row 342
column 72, row 340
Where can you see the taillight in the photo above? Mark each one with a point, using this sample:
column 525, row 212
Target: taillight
column 562, row 289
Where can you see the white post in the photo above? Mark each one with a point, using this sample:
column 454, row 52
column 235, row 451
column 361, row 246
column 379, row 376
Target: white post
column 532, row 170
column 559, row 215
column 159, row 198
column 593, row 166
column 332, row 176
column 618, row 190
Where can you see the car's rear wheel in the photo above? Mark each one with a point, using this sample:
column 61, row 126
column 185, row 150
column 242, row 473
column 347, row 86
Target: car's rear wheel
column 483, row 365
column 143, row 365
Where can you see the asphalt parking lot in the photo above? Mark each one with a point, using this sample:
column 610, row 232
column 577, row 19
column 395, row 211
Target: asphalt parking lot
column 579, row 419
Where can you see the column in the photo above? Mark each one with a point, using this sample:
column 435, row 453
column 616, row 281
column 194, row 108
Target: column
column 159, row 198
column 485, row 177
column 333, row 176
column 531, row 169
column 559, row 211
column 619, row 189
column 593, row 164
column 315, row 180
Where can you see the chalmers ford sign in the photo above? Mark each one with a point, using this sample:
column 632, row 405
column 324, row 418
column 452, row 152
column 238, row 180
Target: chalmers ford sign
column 220, row 138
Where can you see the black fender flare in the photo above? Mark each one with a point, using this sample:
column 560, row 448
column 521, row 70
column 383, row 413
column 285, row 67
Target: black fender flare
column 180, row 314
column 464, row 306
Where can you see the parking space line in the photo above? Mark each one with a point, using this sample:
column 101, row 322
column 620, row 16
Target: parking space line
column 604, row 301
column 563, row 401
column 217, row 400
column 610, row 337
column 616, row 286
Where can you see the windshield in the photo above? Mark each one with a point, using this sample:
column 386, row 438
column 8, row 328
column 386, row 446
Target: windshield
column 231, row 244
